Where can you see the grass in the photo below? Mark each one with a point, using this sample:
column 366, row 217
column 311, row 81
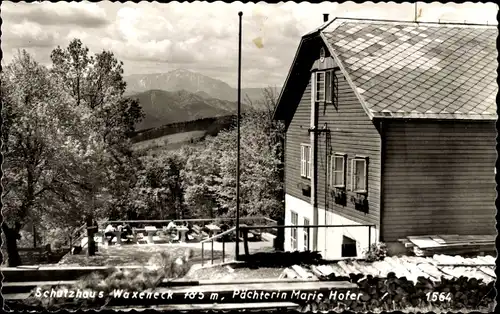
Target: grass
column 177, row 139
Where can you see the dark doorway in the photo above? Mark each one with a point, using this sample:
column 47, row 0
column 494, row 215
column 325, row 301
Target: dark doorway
column 349, row 247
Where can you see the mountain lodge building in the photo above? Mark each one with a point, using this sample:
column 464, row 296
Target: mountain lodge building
column 390, row 124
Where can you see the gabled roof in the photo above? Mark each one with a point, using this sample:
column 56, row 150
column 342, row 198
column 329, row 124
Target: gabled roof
column 420, row 70
column 417, row 70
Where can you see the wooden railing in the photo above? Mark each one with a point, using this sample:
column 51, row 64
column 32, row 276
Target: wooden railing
column 75, row 237
column 192, row 220
column 245, row 229
column 212, row 239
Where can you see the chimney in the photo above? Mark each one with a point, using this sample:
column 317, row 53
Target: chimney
column 325, row 17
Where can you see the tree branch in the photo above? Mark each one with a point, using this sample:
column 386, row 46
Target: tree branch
column 46, row 188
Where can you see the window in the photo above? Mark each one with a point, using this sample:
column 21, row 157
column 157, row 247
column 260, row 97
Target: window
column 338, row 165
column 359, row 174
column 326, row 86
column 320, row 86
column 305, row 160
column 293, row 238
column 306, row 235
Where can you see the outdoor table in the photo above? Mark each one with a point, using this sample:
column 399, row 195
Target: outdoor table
column 241, row 232
column 213, row 229
column 151, row 230
column 181, row 233
column 134, row 233
column 118, row 235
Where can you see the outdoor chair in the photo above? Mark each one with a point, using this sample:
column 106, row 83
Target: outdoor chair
column 170, row 235
column 174, row 236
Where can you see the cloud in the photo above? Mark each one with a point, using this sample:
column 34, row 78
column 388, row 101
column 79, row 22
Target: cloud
column 28, row 34
column 200, row 36
column 466, row 12
column 82, row 14
column 163, row 51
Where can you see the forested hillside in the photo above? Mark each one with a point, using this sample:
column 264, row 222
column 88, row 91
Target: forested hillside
column 193, row 82
column 66, row 131
column 162, row 107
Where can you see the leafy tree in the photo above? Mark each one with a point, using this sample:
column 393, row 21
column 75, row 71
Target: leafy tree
column 210, row 172
column 46, row 146
column 158, row 193
column 96, row 82
column 196, row 178
column 65, row 140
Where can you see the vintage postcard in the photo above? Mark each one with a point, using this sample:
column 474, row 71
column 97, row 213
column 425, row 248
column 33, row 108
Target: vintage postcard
column 227, row 156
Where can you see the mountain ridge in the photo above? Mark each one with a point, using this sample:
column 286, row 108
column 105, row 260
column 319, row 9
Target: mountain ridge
column 164, row 107
column 194, row 82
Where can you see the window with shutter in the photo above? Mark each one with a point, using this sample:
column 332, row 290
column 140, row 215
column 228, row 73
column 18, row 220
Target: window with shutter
column 293, row 233
column 337, row 170
column 302, row 161
column 359, row 175
column 335, row 92
column 305, row 160
column 309, row 163
column 325, row 86
column 328, row 86
column 320, row 86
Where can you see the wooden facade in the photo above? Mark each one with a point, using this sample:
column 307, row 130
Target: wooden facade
column 351, row 133
column 425, row 175
column 438, row 178
column 296, row 135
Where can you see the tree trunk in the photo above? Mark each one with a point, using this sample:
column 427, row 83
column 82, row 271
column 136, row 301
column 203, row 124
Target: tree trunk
column 11, row 237
column 91, row 229
column 33, row 228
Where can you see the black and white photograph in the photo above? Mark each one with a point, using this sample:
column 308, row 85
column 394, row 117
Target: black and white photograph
column 215, row 156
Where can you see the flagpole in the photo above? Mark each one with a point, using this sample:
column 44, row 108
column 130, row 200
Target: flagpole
column 240, row 14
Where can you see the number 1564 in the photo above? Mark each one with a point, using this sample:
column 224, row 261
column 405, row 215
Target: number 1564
column 438, row 296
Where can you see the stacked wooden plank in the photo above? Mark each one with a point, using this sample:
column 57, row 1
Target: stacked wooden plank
column 297, row 272
column 480, row 267
column 411, row 267
column 449, row 244
column 399, row 282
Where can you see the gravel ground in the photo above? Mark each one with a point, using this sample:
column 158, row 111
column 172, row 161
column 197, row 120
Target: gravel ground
column 229, row 273
column 115, row 255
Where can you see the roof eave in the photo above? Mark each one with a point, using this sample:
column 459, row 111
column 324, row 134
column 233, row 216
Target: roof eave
column 309, row 35
column 290, row 71
column 437, row 117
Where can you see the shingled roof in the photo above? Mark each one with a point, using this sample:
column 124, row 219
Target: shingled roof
column 418, row 70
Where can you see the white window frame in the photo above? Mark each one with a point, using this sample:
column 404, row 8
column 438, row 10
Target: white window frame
column 334, row 171
column 326, row 84
column 305, row 161
column 320, row 86
column 294, row 219
column 306, row 237
column 353, row 173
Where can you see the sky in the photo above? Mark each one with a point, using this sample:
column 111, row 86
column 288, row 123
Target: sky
column 200, row 36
